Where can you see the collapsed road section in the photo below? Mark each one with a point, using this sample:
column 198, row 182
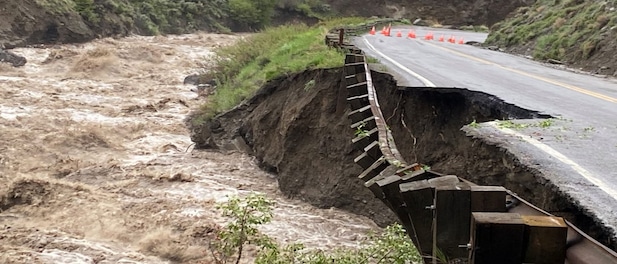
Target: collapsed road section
column 449, row 217
column 302, row 134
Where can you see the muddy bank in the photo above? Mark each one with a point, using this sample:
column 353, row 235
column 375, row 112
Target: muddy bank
column 297, row 133
column 303, row 136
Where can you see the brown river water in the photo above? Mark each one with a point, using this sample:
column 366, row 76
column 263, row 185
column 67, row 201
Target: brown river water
column 96, row 165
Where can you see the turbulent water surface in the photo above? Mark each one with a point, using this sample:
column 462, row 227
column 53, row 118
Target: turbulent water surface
column 96, row 164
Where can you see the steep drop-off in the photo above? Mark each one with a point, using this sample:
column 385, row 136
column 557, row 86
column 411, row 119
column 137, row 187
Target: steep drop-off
column 301, row 133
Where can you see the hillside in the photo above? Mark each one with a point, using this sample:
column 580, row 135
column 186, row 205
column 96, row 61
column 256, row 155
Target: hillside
column 575, row 32
column 27, row 22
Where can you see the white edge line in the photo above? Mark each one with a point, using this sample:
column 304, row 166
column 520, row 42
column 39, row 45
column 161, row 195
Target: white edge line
column 425, row 81
column 556, row 154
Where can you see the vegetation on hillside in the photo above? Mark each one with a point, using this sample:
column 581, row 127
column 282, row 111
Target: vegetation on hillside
column 153, row 17
column 566, row 30
column 242, row 68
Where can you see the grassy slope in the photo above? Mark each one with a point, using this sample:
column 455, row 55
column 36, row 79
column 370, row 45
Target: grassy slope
column 243, row 68
column 574, row 31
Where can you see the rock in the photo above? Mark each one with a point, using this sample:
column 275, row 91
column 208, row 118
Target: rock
column 192, row 79
column 554, row 61
column 12, row 58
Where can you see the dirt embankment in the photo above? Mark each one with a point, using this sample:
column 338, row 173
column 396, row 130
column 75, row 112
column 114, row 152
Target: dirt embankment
column 296, row 132
column 303, row 136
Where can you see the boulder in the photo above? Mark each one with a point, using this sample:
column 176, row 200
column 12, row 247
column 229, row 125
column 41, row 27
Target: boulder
column 12, row 58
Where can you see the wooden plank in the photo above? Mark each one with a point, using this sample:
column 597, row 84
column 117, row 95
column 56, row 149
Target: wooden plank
column 497, row 238
column 546, row 239
column 488, row 199
column 418, row 175
column 390, row 187
column 355, row 78
column 447, row 180
column 357, row 89
column 359, row 101
column 360, row 114
column 351, row 58
column 452, row 218
column 376, row 190
column 418, row 197
column 364, row 160
column 373, row 150
column 361, row 141
column 354, row 68
column 367, row 124
column 374, row 170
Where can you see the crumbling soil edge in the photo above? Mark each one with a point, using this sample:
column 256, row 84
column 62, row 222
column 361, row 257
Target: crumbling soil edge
column 302, row 136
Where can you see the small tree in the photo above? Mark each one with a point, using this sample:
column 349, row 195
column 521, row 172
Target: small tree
column 246, row 214
column 252, row 14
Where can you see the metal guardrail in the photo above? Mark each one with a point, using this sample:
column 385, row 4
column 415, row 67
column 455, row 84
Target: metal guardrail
column 443, row 214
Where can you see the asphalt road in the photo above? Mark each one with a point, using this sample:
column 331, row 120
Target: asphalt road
column 577, row 150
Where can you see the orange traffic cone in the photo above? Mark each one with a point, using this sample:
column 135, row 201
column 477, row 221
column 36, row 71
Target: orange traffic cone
column 399, row 34
column 429, row 36
column 441, row 38
column 452, row 39
column 461, row 41
column 411, row 34
column 388, row 31
column 372, row 32
column 383, row 31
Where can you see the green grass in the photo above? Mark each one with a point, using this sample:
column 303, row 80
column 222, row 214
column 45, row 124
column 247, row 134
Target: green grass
column 243, row 68
column 567, row 30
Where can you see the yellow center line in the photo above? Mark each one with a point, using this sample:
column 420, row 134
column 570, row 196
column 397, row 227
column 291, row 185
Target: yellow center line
column 551, row 81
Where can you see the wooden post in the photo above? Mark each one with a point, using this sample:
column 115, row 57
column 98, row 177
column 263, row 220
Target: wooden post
column 418, row 197
column 488, row 199
column 391, row 189
column 497, row 238
column 546, row 239
column 452, row 220
column 341, row 36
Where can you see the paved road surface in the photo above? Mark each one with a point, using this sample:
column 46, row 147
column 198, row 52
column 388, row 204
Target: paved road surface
column 578, row 151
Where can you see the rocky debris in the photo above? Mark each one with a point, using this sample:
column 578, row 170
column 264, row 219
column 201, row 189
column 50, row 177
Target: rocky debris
column 192, row 79
column 12, row 58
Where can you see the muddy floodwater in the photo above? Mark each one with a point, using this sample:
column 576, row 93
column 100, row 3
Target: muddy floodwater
column 96, row 165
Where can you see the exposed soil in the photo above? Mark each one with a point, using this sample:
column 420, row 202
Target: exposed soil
column 96, row 164
column 303, row 136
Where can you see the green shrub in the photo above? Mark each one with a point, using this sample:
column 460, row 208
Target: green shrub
column 253, row 14
column 246, row 214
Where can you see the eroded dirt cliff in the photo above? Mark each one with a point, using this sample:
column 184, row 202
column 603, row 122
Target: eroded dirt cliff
column 301, row 133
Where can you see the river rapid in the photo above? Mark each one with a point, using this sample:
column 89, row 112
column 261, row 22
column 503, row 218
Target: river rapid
column 96, row 164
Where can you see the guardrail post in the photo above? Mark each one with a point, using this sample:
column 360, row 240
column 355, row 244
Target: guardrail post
column 546, row 239
column 452, row 220
column 341, row 36
column 497, row 238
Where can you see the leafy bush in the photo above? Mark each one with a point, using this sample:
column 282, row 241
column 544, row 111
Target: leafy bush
column 252, row 14
column 245, row 214
column 391, row 246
